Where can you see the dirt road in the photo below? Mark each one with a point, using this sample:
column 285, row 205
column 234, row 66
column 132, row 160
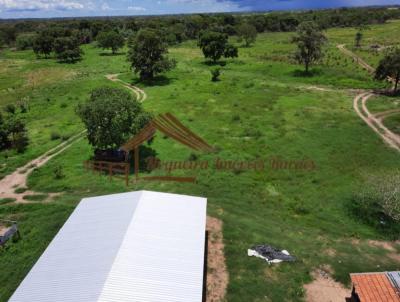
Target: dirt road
column 141, row 96
column 18, row 179
column 374, row 121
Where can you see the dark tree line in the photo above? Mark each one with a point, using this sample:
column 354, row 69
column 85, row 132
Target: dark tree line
column 176, row 29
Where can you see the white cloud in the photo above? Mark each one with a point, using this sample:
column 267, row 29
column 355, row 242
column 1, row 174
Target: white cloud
column 105, row 7
column 137, row 8
column 35, row 5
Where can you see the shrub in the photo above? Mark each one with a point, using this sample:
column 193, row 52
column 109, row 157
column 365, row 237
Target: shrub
column 58, row 172
column 215, row 74
column 23, row 107
column 54, row 136
column 37, row 197
column 193, row 157
column 236, row 118
column 6, row 200
column 378, row 203
column 10, row 108
column 20, row 190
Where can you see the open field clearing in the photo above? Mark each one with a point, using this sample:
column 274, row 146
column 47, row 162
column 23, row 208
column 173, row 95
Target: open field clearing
column 263, row 108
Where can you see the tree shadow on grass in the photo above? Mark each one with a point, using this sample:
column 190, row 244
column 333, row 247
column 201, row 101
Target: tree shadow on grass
column 212, row 63
column 110, row 54
column 388, row 92
column 306, row 74
column 159, row 80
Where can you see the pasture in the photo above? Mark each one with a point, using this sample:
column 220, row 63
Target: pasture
column 263, row 107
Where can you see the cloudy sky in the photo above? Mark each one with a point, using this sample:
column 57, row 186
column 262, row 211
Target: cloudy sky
column 69, row 8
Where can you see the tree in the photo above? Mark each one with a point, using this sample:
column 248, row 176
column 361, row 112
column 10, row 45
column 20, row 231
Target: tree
column 25, row 41
column 43, row 44
column 358, row 38
column 215, row 46
column 8, row 34
column 4, row 139
column 17, row 133
column 67, row 49
column 110, row 40
column 147, row 54
column 389, row 66
column 112, row 116
column 248, row 33
column 309, row 40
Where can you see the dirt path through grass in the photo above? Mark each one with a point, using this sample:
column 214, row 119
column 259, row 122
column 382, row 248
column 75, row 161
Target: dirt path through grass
column 140, row 94
column 360, row 106
column 18, row 179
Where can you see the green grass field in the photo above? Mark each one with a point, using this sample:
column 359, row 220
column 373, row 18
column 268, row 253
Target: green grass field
column 262, row 108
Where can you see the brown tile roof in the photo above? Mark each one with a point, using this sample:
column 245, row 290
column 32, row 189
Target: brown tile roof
column 374, row 287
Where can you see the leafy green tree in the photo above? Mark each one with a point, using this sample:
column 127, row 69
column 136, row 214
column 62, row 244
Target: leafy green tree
column 111, row 117
column 43, row 44
column 67, row 49
column 110, row 40
column 231, row 51
column 8, row 34
column 389, row 66
column 17, row 133
column 147, row 54
column 247, row 33
column 310, row 41
column 358, row 38
column 215, row 46
column 4, row 140
column 84, row 36
column 25, row 41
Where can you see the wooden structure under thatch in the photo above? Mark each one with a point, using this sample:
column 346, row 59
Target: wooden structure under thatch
column 170, row 126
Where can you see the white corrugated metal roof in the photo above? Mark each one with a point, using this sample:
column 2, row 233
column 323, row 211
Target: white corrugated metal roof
column 139, row 246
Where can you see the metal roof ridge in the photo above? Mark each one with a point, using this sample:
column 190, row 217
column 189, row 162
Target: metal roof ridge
column 121, row 242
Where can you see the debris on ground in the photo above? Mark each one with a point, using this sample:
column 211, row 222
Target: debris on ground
column 270, row 254
column 7, row 230
column 324, row 288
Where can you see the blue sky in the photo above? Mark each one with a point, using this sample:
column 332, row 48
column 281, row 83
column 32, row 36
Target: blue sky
column 69, row 8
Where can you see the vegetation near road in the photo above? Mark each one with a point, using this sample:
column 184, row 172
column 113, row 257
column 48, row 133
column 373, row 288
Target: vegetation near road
column 261, row 106
column 111, row 116
column 309, row 40
column 389, row 66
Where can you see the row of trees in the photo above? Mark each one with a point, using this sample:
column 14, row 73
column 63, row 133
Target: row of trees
column 310, row 41
column 148, row 51
column 65, row 48
column 176, row 29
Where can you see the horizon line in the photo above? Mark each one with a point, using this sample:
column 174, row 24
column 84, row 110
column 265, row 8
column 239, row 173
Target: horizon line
column 201, row 13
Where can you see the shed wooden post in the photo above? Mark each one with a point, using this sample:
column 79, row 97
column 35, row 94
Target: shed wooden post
column 137, row 163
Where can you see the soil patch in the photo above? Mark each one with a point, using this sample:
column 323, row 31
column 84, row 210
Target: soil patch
column 325, row 289
column 217, row 274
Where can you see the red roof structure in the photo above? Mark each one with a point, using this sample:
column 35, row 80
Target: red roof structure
column 376, row 287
